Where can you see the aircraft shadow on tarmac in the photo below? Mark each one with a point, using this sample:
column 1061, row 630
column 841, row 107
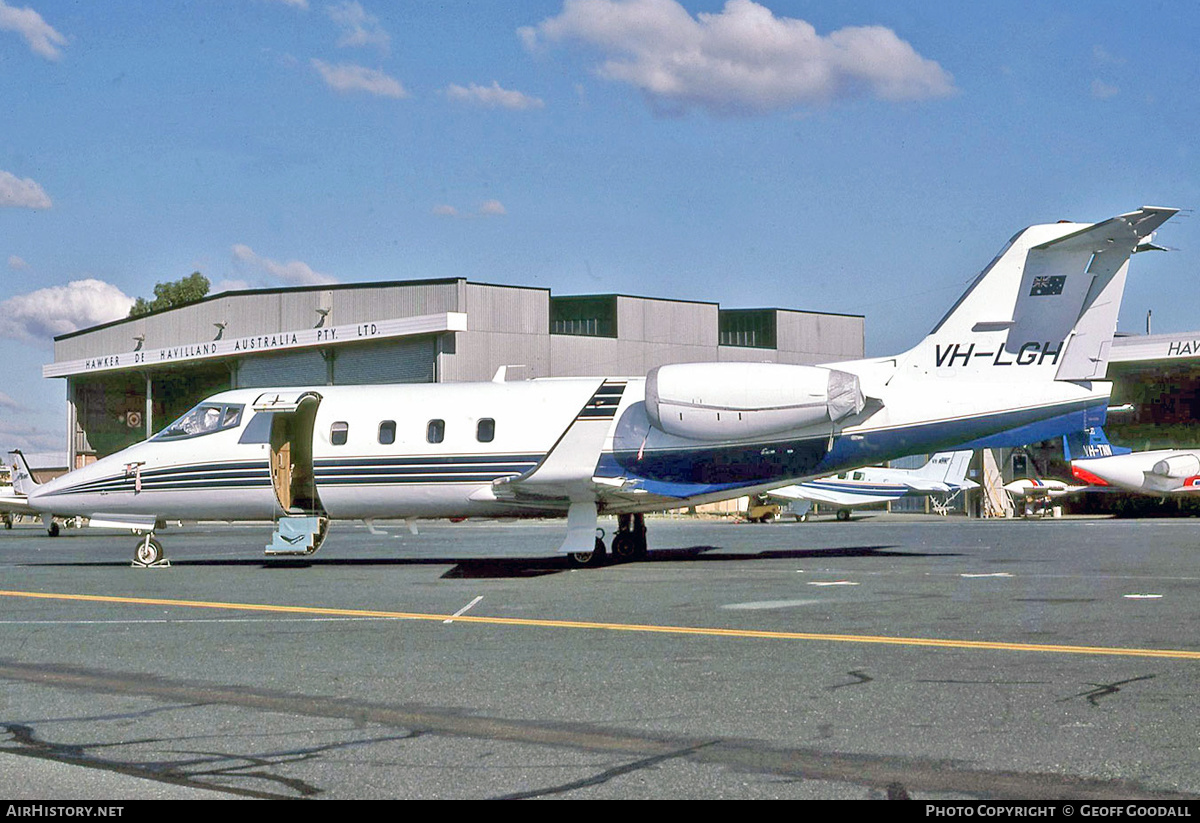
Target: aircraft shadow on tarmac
column 517, row 567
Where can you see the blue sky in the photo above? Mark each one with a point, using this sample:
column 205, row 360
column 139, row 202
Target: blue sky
column 859, row 157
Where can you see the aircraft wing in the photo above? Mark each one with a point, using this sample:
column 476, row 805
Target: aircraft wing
column 16, row 504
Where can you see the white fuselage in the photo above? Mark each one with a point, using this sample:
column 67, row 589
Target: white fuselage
column 1163, row 471
column 227, row 474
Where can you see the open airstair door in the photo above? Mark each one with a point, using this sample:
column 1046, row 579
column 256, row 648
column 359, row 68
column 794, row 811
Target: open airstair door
column 302, row 525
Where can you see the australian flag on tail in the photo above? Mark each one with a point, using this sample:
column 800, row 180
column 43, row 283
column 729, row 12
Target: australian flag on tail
column 1045, row 286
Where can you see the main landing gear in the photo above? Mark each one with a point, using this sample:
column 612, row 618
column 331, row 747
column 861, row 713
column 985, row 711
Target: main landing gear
column 628, row 544
column 149, row 553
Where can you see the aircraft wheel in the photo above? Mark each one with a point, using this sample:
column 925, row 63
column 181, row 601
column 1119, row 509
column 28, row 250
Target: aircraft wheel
column 590, row 559
column 52, row 529
column 149, row 552
column 8, row 521
column 843, row 514
column 629, row 546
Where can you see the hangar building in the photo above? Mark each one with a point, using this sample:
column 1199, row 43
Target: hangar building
column 129, row 378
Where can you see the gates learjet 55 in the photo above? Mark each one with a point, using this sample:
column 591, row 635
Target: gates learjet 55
column 1160, row 472
column 1017, row 359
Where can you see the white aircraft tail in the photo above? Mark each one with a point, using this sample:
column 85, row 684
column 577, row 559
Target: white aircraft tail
column 22, row 476
column 947, row 467
column 1046, row 307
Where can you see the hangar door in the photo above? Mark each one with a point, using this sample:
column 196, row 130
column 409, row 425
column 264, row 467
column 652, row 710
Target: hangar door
column 396, row 361
column 299, row 368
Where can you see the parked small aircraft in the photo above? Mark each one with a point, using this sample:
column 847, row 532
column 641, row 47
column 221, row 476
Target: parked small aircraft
column 943, row 477
column 12, row 504
column 1161, row 472
column 1020, row 357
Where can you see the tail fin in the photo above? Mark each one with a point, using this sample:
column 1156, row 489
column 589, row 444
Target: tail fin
column 1045, row 307
column 939, row 466
column 949, row 468
column 1089, row 443
column 23, row 482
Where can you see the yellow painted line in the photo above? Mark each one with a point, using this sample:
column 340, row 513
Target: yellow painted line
column 1179, row 654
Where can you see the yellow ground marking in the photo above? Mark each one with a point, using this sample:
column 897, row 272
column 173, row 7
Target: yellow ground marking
column 748, row 634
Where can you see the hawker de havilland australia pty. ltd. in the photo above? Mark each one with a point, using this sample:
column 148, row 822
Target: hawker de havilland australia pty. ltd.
column 1020, row 357
column 941, row 479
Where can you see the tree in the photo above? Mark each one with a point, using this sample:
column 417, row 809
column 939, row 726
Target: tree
column 169, row 295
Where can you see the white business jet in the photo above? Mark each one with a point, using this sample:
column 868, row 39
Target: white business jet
column 942, row 478
column 12, row 503
column 1098, row 463
column 1020, row 357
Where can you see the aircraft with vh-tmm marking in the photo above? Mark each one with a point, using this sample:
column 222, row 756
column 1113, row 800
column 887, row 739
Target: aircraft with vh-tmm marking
column 1020, row 357
column 1163, row 472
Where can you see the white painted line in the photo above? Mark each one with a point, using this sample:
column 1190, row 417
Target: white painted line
column 833, row 583
column 772, row 604
column 463, row 610
column 1143, row 597
column 992, row 574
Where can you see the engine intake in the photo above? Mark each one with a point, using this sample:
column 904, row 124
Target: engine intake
column 739, row 401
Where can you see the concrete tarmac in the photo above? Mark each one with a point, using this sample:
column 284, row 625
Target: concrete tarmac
column 889, row 656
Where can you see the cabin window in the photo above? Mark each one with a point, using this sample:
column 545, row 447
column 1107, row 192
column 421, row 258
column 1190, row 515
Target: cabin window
column 338, row 433
column 857, row 476
column 435, row 432
column 485, row 431
column 387, row 432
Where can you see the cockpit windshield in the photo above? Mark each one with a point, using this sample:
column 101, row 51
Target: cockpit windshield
column 203, row 419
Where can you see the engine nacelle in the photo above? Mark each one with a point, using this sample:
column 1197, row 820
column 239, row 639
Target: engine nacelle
column 1177, row 466
column 739, row 401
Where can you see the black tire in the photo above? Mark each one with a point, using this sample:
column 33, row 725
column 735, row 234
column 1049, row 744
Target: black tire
column 52, row 529
column 624, row 546
column 843, row 514
column 149, row 552
column 588, row 560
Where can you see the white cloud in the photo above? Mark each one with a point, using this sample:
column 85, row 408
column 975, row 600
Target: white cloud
column 347, row 77
column 743, row 60
column 358, row 27
column 231, row 285
column 42, row 314
column 42, row 447
column 293, row 273
column 21, row 193
column 1103, row 91
column 40, row 35
column 488, row 208
column 7, row 402
column 298, row 4
column 494, row 97
column 1102, row 57
column 16, row 263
